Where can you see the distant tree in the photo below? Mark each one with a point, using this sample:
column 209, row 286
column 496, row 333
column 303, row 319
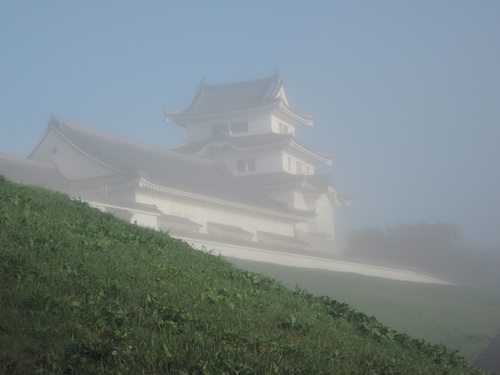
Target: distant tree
column 478, row 268
column 369, row 243
column 431, row 248
column 423, row 244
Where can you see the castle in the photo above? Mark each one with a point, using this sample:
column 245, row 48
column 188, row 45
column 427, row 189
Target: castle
column 241, row 186
column 241, row 181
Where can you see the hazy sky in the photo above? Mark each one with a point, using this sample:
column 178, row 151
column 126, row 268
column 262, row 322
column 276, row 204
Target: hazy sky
column 405, row 94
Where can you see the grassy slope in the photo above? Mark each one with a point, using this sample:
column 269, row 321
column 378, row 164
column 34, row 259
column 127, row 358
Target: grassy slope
column 459, row 317
column 82, row 292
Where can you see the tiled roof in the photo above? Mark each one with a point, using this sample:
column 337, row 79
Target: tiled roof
column 188, row 148
column 119, row 203
column 229, row 229
column 179, row 220
column 257, row 141
column 210, row 99
column 163, row 167
column 113, row 179
column 220, row 98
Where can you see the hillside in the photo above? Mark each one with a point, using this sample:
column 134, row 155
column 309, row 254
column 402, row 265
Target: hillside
column 83, row 292
column 460, row 317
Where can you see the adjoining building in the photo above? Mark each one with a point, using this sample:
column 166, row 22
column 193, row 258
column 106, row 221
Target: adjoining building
column 241, row 180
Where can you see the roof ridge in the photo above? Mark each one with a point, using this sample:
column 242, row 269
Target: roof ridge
column 59, row 127
column 272, row 77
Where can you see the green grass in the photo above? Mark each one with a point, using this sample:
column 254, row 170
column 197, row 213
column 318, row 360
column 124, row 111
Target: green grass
column 84, row 293
column 460, row 317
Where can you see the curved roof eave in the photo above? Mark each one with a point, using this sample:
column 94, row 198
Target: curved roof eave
column 298, row 118
column 336, row 198
column 233, row 98
column 319, row 158
column 257, row 90
column 183, row 117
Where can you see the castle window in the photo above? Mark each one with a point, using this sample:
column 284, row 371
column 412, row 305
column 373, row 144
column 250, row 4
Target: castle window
column 241, row 166
column 284, row 129
column 251, row 165
column 299, row 168
column 248, row 165
column 239, row 127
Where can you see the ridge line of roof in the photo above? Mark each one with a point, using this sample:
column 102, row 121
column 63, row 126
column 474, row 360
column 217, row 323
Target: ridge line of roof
column 111, row 137
column 273, row 76
column 58, row 126
column 258, row 94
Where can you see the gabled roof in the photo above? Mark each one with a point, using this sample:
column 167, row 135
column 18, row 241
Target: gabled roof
column 253, row 143
column 243, row 96
column 162, row 169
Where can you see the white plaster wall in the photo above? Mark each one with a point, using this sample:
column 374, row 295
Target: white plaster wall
column 284, row 196
column 201, row 212
column 260, row 125
column 264, row 162
column 170, row 204
column 70, row 163
column 140, row 218
column 325, row 219
column 307, row 227
column 306, row 168
column 270, row 162
column 202, row 131
column 299, row 201
column 247, row 220
column 100, row 207
column 275, row 125
column 145, row 220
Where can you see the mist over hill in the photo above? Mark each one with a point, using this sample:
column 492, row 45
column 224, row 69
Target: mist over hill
column 433, row 248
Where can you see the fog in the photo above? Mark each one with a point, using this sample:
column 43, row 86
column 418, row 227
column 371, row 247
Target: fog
column 404, row 95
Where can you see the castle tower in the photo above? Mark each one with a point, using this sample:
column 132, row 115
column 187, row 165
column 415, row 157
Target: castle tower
column 249, row 129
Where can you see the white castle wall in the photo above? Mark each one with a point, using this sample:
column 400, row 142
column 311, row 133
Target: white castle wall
column 305, row 261
column 203, row 212
column 290, row 165
column 325, row 218
column 70, row 163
